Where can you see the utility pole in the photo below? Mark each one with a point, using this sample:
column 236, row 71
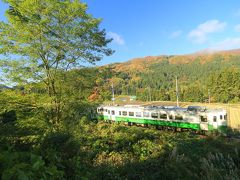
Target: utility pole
column 146, row 92
column 177, row 91
column 149, row 91
column 113, row 98
column 209, row 96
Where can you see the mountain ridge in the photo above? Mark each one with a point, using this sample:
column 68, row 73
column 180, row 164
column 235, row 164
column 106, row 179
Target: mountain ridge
column 197, row 73
column 141, row 63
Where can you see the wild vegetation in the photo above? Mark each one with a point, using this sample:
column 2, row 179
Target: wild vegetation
column 47, row 125
column 82, row 147
column 42, row 39
column 154, row 78
column 97, row 150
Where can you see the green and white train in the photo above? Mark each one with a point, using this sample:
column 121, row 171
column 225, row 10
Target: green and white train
column 194, row 117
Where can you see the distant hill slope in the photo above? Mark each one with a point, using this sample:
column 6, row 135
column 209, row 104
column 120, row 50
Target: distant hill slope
column 153, row 77
column 201, row 57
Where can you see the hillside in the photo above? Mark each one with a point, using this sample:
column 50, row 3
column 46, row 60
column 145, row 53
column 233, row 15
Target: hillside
column 201, row 57
column 153, row 77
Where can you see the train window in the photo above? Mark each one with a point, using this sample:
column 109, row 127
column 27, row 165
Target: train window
column 163, row 116
column 225, row 117
column 221, row 117
column 178, row 117
column 154, row 115
column 120, row 113
column 214, row 118
column 131, row 113
column 113, row 112
column 108, row 111
column 145, row 114
column 124, row 113
column 170, row 116
column 203, row 119
column 138, row 114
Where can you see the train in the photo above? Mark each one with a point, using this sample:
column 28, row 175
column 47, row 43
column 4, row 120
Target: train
column 197, row 118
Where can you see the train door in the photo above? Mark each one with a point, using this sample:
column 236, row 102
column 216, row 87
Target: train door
column 112, row 115
column 203, row 123
column 215, row 122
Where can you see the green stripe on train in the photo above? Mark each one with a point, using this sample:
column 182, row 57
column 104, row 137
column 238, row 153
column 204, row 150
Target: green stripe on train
column 164, row 123
column 210, row 127
column 102, row 117
column 160, row 122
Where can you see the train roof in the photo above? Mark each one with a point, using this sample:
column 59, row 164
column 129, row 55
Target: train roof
column 148, row 107
column 193, row 109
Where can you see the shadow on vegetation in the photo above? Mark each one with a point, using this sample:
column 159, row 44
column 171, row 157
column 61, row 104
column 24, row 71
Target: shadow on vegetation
column 179, row 157
column 13, row 135
column 115, row 151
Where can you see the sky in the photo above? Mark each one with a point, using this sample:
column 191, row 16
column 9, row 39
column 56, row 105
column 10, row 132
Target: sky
column 142, row 28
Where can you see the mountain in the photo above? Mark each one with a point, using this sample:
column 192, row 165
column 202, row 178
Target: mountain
column 153, row 77
column 202, row 57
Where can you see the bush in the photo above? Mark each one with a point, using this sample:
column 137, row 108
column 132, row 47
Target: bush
column 9, row 116
column 220, row 166
column 24, row 165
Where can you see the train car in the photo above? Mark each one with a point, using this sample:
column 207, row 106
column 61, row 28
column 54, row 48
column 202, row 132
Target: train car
column 193, row 117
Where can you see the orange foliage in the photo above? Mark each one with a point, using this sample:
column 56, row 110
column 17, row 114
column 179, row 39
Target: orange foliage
column 138, row 64
column 94, row 96
column 143, row 64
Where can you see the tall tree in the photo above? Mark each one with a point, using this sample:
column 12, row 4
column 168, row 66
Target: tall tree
column 43, row 37
column 225, row 85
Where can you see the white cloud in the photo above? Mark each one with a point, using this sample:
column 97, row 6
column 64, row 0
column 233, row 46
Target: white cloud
column 200, row 34
column 116, row 38
column 237, row 28
column 175, row 34
column 229, row 43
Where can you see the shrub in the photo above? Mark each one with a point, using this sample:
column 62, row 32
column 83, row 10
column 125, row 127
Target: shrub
column 25, row 165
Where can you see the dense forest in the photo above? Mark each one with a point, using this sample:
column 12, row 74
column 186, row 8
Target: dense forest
column 199, row 75
column 48, row 127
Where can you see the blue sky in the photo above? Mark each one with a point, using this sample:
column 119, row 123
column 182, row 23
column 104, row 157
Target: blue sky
column 165, row 27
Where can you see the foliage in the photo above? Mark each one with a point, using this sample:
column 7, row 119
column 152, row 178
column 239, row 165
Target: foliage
column 43, row 38
column 24, row 165
column 225, row 85
column 47, row 127
column 90, row 150
column 153, row 78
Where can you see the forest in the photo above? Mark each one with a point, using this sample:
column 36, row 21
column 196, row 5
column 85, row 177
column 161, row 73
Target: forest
column 48, row 127
column 198, row 76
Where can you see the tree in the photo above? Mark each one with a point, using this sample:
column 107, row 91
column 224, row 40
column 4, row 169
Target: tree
column 225, row 85
column 43, row 37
